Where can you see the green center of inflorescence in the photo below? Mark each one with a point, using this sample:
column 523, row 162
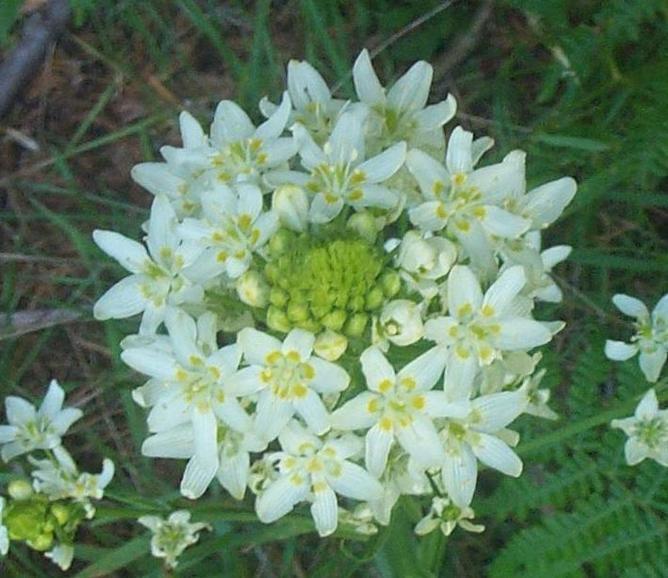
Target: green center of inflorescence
column 328, row 283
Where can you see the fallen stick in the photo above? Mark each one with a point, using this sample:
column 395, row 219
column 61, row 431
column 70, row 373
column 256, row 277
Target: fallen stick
column 39, row 32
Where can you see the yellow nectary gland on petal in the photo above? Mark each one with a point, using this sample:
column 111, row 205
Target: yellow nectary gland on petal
column 327, row 283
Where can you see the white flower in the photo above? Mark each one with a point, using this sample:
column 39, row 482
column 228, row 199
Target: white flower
column 424, row 260
column 31, row 429
column 338, row 175
column 400, row 322
column 232, row 229
column 650, row 339
column 252, row 289
column 479, row 435
column 401, row 112
column 480, row 328
column 61, row 555
column 537, row 398
column 61, row 479
column 4, row 533
column 191, row 385
column 647, row 431
column 446, row 515
column 159, row 278
column 288, row 379
column 313, row 468
column 466, row 202
column 173, row 535
column 398, row 406
column 290, row 203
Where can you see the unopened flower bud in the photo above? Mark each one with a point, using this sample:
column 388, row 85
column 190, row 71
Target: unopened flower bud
column 297, row 311
column 277, row 320
column 401, row 322
column 356, row 324
column 42, row 542
column 364, row 225
column 19, row 489
column 290, row 203
column 334, row 320
column 280, row 242
column 374, row 299
column 391, row 282
column 278, row 297
column 330, row 345
column 253, row 289
column 61, row 512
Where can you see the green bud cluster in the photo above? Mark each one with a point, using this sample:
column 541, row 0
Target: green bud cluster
column 32, row 518
column 333, row 282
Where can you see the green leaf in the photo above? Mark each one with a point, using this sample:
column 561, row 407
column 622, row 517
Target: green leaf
column 571, row 142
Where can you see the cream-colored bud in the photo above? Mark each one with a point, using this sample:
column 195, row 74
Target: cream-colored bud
column 290, row 203
column 19, row 489
column 365, row 225
column 330, row 345
column 401, row 322
column 252, row 289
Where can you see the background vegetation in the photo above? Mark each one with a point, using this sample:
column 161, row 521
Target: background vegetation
column 581, row 85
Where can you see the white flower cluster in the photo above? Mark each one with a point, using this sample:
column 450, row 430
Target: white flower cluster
column 172, row 536
column 347, row 302
column 46, row 513
column 647, row 429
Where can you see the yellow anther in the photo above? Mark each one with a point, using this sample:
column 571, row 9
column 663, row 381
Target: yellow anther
column 385, row 385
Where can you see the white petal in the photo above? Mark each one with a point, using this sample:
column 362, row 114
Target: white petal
column 19, row 411
column 280, row 150
column 368, row 87
column 356, row 414
column 425, row 369
column 635, row 451
column 648, row 406
column 544, row 204
column 494, row 453
column 479, row 147
column 246, row 381
column 53, row 400
column 275, row 124
column 383, row 166
column 191, row 132
column 156, row 178
column 505, row 288
column 124, row 299
column 630, row 306
column 411, row 91
column 203, row 466
column 458, row 158
column 460, row 472
column 438, row 404
column 272, row 414
column 280, row 497
column 377, row 449
column 130, row 254
column 376, row 368
column 230, row 124
column 162, row 230
column 64, row 419
column 312, row 409
column 428, row 216
column 651, row 363
column 376, row 196
column 176, row 442
column 329, row 377
column 555, row 255
column 464, row 294
column 355, row 482
column 7, row 433
column 460, row 373
column 429, row 173
column 257, row 345
column 503, row 223
column 226, row 359
column 232, row 414
column 325, row 511
column 323, row 211
column 502, row 180
column 299, row 341
column 151, row 362
column 306, row 85
column 197, row 476
column 495, row 411
column 421, row 441
column 619, row 351
column 436, row 115
column 346, row 142
column 183, row 334
column 521, row 333
column 233, row 473
column 661, row 309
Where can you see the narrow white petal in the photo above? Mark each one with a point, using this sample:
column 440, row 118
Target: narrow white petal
column 378, row 444
column 329, row 377
column 460, row 472
column 555, row 255
column 275, row 124
column 191, row 131
column 346, row 142
column 648, row 406
column 230, row 124
column 521, row 333
column 65, row 418
column 652, row 363
column 280, row 497
column 505, row 288
column 249, row 200
column 425, row 369
column 436, row 115
column 502, row 180
column 619, row 351
column 232, row 414
column 358, row 413
column 383, row 166
column 130, row 254
column 428, row 217
column 313, row 410
column 53, row 400
column 355, row 482
column 246, row 381
column 323, row 211
column 458, row 158
column 226, row 359
column 630, row 306
column 183, row 334
column 197, row 476
column 299, row 341
column 19, row 411
column 411, row 91
column 495, row 411
column 156, row 178
column 368, row 87
column 176, row 443
column 272, row 414
column 635, row 451
column 421, row 441
column 257, row 345
column 150, row 361
column 428, row 172
column 661, row 309
column 7, row 433
column 494, row 453
column 460, row 373
column 545, row 204
column 124, row 299
column 233, row 473
column 376, row 368
column 464, row 294
column 325, row 511
column 503, row 223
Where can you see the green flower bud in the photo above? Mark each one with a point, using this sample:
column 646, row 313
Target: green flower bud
column 297, row 311
column 60, row 512
column 20, row 489
column 271, row 272
column 374, row 298
column 278, row 297
column 309, row 324
column 25, row 519
column 41, row 543
column 391, row 282
column 330, row 345
column 277, row 320
column 334, row 320
column 364, row 225
column 356, row 324
column 356, row 303
column 281, row 242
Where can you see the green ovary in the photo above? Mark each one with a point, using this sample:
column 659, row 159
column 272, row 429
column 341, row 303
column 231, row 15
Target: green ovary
column 330, row 283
